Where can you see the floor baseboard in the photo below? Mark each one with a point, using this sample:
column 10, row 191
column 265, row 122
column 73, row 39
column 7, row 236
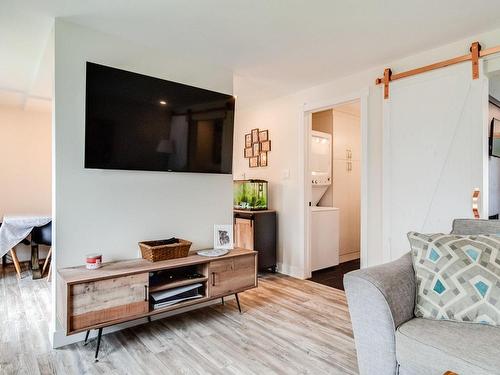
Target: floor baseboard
column 292, row 271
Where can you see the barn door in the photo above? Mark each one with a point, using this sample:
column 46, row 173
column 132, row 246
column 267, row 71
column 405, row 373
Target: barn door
column 435, row 153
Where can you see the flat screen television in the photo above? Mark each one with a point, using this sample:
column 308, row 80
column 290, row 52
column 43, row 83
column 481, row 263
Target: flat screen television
column 137, row 122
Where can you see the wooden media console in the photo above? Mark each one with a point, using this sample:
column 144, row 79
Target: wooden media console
column 121, row 291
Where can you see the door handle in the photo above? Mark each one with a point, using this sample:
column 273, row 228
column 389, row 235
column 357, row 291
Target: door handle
column 475, row 203
column 213, row 278
column 146, row 294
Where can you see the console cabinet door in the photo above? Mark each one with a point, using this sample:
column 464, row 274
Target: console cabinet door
column 232, row 275
column 104, row 301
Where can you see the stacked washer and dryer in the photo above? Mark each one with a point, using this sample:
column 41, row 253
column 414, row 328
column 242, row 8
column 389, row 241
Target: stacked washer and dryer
column 324, row 219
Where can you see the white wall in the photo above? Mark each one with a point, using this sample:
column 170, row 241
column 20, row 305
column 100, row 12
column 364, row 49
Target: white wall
column 279, row 116
column 282, row 115
column 110, row 211
column 25, row 162
column 25, row 165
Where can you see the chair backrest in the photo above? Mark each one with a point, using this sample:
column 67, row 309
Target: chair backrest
column 42, row 235
column 475, row 226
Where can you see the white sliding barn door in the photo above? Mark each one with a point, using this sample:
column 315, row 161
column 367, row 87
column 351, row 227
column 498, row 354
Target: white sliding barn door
column 435, row 153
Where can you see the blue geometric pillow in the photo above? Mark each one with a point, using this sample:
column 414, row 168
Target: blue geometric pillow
column 458, row 277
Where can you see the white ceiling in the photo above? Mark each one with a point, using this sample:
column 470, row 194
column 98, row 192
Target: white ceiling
column 297, row 43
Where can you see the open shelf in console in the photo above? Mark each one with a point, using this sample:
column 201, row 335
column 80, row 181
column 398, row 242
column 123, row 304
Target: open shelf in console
column 167, row 286
column 176, row 277
column 175, row 284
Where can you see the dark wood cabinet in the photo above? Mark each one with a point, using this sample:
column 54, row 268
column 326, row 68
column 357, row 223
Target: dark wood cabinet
column 256, row 230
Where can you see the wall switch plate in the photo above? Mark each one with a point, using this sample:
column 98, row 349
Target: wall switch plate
column 285, row 174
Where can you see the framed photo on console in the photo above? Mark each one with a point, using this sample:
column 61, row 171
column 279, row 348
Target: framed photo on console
column 223, row 236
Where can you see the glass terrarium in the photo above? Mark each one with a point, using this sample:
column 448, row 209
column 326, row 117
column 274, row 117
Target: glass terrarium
column 250, row 195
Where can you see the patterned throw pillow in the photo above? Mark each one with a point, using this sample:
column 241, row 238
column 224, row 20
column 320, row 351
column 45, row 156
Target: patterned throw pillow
column 458, row 277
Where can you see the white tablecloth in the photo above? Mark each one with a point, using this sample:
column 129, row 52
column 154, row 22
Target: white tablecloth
column 14, row 229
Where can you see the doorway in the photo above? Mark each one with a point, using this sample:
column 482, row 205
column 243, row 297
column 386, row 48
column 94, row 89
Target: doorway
column 335, row 178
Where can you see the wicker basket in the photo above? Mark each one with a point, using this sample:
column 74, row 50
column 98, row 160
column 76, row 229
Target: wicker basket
column 155, row 251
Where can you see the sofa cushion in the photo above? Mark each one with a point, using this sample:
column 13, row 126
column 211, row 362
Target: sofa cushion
column 457, row 277
column 428, row 347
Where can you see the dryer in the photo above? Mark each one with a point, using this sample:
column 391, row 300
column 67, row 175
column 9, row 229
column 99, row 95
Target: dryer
column 320, row 164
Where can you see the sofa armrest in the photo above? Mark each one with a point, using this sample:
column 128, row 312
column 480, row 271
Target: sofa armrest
column 380, row 299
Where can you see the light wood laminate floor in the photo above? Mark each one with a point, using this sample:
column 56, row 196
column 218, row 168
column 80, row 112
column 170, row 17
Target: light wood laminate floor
column 288, row 326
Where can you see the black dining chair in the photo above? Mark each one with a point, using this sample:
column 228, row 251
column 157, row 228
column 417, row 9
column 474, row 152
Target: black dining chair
column 42, row 236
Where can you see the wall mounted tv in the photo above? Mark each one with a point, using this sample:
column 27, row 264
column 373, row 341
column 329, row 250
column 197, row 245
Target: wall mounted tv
column 136, row 122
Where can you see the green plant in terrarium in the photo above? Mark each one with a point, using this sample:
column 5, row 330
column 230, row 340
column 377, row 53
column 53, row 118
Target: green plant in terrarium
column 250, row 194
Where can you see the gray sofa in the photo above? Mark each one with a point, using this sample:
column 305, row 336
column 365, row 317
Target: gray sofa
column 390, row 340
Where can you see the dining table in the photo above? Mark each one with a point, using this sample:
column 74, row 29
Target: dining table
column 14, row 229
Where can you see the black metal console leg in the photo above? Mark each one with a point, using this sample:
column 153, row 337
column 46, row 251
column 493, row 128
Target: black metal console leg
column 86, row 337
column 149, row 319
column 222, row 299
column 238, row 301
column 99, row 334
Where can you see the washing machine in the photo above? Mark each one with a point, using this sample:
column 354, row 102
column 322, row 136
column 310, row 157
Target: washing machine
column 324, row 237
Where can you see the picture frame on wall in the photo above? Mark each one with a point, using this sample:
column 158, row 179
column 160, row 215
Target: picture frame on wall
column 223, row 236
column 263, row 135
column 255, row 135
column 248, row 152
column 265, row 146
column 256, row 149
column 248, row 140
column 253, row 162
column 263, row 159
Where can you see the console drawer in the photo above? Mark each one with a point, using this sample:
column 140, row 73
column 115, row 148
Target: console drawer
column 104, row 301
column 232, row 275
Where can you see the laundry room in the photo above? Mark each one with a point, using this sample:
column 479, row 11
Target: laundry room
column 335, row 167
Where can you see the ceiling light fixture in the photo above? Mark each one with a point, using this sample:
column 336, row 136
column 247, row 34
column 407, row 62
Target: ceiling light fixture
column 163, row 102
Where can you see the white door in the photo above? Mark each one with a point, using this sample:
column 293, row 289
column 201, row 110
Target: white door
column 435, row 153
